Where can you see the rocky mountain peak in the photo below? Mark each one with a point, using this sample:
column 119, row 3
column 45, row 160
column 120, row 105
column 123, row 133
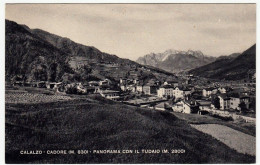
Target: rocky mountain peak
column 166, row 60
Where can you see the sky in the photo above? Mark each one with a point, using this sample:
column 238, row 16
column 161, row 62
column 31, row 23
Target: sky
column 134, row 30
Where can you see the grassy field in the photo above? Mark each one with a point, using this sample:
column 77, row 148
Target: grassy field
column 248, row 128
column 95, row 123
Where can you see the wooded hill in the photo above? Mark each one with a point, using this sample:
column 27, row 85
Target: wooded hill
column 37, row 55
column 230, row 68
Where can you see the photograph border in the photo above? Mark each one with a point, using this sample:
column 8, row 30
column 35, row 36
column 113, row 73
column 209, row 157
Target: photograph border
column 2, row 49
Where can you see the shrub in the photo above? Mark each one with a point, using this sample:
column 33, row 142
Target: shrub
column 71, row 90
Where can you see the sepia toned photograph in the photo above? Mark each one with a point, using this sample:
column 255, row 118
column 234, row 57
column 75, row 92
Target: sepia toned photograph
column 130, row 83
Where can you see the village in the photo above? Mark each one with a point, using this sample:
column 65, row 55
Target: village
column 228, row 100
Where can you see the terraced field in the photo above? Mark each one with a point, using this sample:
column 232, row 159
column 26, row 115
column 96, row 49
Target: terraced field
column 23, row 96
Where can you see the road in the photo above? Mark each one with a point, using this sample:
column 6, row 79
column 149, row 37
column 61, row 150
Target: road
column 241, row 142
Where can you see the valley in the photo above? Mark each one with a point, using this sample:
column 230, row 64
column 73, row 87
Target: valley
column 88, row 105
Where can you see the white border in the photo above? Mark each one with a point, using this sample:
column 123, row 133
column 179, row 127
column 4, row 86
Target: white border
column 129, row 1
column 2, row 49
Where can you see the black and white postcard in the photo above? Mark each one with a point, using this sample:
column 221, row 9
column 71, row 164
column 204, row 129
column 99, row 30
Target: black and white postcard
column 130, row 83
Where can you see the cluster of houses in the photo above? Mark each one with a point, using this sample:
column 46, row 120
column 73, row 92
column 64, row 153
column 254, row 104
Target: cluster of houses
column 184, row 98
column 188, row 99
column 176, row 97
column 101, row 87
column 227, row 101
column 137, row 86
column 168, row 89
column 204, row 105
column 38, row 84
column 186, row 106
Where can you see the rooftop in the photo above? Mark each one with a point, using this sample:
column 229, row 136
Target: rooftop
column 210, row 89
column 166, row 86
column 204, row 102
column 109, row 91
column 190, row 102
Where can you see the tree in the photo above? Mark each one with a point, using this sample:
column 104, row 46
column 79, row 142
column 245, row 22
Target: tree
column 141, row 73
column 232, row 94
column 153, row 104
column 85, row 73
column 71, row 90
column 216, row 102
column 172, row 100
column 53, row 72
column 39, row 74
column 177, row 100
column 242, row 106
column 252, row 104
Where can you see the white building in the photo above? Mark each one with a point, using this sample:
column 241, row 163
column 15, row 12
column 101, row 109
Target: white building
column 224, row 102
column 178, row 93
column 222, row 90
column 139, row 88
column 105, row 82
column 204, row 105
column 136, row 81
column 53, row 85
column 110, row 94
column 123, row 87
column 234, row 102
column 81, row 88
column 209, row 91
column 131, row 88
column 123, row 80
column 93, row 83
column 165, row 91
column 178, row 107
column 184, row 106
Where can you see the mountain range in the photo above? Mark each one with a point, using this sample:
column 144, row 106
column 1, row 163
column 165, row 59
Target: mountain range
column 234, row 67
column 37, row 55
column 176, row 61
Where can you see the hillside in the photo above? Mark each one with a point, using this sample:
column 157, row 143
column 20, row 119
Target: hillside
column 176, row 61
column 37, row 55
column 231, row 68
column 231, row 56
column 75, row 49
column 28, row 55
column 94, row 123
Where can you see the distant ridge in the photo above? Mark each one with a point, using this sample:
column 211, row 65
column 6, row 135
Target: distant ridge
column 233, row 67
